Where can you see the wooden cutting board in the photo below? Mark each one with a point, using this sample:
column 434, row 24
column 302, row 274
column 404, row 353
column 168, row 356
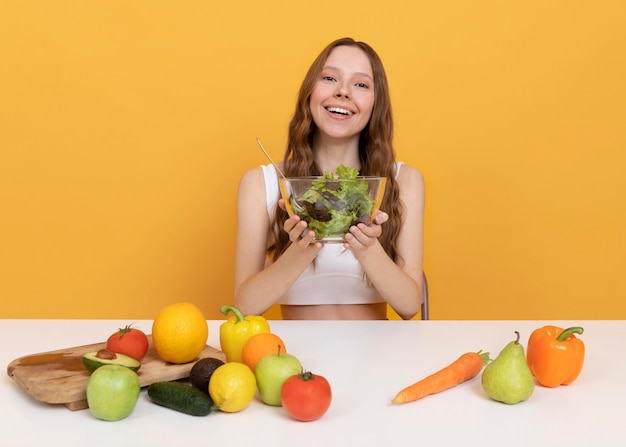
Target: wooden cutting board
column 59, row 377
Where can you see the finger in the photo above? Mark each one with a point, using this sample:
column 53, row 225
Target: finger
column 306, row 238
column 381, row 217
column 357, row 241
column 299, row 232
column 372, row 231
column 291, row 223
column 360, row 237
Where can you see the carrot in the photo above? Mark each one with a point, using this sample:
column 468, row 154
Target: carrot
column 462, row 369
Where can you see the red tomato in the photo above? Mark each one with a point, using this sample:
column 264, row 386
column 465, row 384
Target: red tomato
column 128, row 341
column 306, row 396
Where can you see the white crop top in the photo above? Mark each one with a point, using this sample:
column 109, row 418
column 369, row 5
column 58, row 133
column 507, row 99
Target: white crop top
column 336, row 278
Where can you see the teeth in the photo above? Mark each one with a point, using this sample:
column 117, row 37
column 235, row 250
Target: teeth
column 339, row 110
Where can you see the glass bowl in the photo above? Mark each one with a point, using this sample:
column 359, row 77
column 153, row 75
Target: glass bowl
column 332, row 206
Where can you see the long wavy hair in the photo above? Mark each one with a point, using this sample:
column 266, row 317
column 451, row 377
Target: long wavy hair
column 376, row 152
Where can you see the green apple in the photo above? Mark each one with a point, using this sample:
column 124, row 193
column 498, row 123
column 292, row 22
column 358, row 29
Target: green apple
column 271, row 372
column 112, row 392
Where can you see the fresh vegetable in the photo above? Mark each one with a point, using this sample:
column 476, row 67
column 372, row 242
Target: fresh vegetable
column 462, row 369
column 335, row 202
column 128, row 341
column 555, row 356
column 237, row 329
column 306, row 396
column 95, row 359
column 181, row 397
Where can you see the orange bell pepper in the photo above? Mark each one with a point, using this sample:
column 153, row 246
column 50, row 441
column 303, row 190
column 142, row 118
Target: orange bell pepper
column 555, row 356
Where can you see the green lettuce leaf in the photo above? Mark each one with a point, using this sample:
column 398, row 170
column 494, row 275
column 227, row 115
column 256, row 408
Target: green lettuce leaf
column 331, row 207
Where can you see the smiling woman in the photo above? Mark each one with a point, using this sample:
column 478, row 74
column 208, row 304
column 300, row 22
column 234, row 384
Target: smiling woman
column 342, row 120
column 126, row 126
column 342, row 101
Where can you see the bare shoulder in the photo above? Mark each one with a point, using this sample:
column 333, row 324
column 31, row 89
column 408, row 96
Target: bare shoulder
column 251, row 194
column 411, row 182
column 252, row 179
column 252, row 216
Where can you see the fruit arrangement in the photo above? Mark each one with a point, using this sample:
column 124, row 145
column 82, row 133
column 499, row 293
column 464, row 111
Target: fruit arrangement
column 555, row 357
column 179, row 335
column 257, row 363
column 278, row 375
column 113, row 387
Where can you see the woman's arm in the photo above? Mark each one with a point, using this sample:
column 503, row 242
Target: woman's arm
column 401, row 286
column 258, row 287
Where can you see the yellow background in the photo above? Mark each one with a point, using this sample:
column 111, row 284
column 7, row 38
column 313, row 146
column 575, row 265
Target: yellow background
column 125, row 126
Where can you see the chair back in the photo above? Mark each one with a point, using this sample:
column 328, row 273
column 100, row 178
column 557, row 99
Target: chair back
column 425, row 315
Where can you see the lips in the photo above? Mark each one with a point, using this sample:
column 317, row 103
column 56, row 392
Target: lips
column 339, row 111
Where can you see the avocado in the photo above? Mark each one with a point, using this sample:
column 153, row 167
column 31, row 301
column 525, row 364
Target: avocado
column 95, row 359
column 202, row 371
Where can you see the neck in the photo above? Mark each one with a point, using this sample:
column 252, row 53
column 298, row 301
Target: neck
column 330, row 153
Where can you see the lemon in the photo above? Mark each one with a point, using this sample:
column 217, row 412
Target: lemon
column 232, row 387
column 179, row 333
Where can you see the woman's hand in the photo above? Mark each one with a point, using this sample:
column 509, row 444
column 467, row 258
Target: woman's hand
column 362, row 236
column 297, row 230
column 298, row 233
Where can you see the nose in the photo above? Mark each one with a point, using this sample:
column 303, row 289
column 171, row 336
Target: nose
column 341, row 91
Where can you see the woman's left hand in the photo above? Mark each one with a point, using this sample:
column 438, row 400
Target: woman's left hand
column 362, row 236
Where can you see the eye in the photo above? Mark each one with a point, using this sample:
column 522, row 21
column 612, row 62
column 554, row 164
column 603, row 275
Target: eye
column 328, row 78
column 362, row 85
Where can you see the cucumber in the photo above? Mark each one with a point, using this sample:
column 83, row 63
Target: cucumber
column 181, row 397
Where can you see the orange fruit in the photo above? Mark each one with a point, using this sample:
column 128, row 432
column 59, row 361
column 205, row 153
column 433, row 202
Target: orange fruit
column 179, row 333
column 258, row 346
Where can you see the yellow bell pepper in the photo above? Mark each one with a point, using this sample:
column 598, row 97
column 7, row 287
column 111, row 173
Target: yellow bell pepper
column 237, row 329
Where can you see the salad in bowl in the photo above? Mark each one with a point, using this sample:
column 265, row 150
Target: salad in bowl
column 332, row 203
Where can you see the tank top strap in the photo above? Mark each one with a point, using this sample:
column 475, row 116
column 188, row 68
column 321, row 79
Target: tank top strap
column 272, row 190
column 398, row 166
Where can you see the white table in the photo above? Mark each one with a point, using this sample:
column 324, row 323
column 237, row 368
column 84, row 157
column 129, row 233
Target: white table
column 366, row 363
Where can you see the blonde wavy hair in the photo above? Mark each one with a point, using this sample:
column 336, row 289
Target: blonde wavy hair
column 376, row 152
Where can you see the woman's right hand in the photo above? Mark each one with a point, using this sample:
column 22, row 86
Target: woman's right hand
column 298, row 232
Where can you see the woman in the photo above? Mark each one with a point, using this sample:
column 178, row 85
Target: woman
column 343, row 116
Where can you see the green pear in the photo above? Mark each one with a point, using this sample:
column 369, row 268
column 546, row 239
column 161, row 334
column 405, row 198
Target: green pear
column 508, row 379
